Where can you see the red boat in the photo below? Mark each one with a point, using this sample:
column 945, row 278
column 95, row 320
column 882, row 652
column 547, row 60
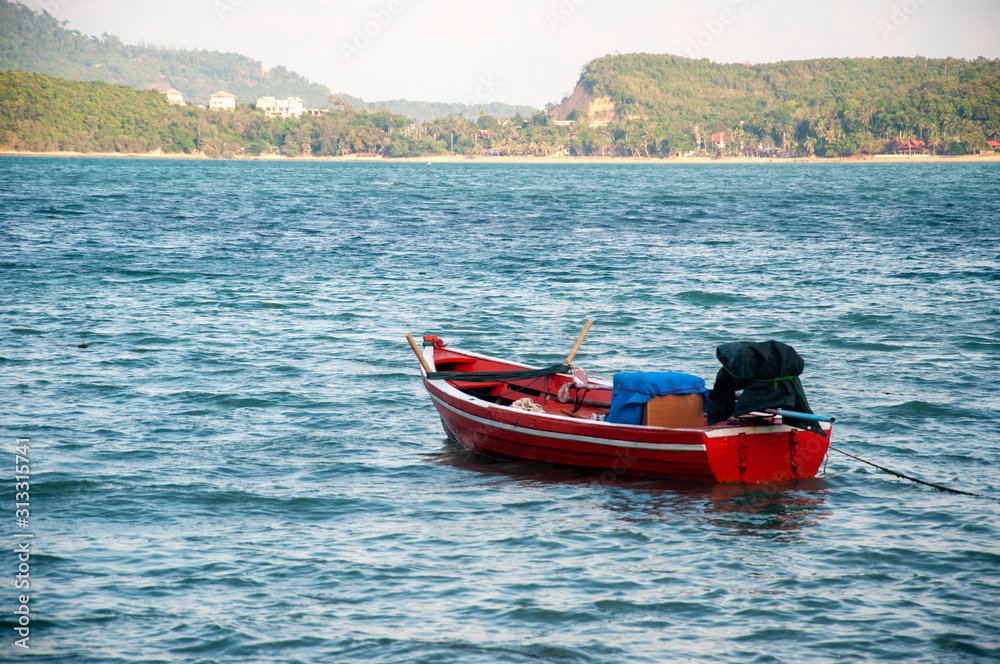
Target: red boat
column 556, row 418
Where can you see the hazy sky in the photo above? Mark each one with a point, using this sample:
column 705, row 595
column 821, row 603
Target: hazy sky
column 529, row 51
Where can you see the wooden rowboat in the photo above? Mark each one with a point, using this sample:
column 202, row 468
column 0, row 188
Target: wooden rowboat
column 562, row 428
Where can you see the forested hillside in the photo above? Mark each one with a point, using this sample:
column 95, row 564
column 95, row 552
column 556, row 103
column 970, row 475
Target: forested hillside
column 832, row 106
column 42, row 113
column 650, row 106
column 45, row 114
column 39, row 43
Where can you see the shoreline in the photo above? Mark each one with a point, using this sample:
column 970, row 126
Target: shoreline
column 458, row 159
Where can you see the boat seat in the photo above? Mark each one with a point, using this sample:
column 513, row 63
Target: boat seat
column 475, row 385
column 455, row 360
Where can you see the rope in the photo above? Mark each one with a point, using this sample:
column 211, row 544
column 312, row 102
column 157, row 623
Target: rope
column 525, row 386
column 939, row 487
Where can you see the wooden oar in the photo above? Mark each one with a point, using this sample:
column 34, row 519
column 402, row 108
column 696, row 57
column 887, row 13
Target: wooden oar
column 420, row 356
column 569, row 358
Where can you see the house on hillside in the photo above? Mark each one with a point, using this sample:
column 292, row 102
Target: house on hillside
column 719, row 139
column 292, row 107
column 174, row 97
column 995, row 145
column 222, row 101
column 911, row 147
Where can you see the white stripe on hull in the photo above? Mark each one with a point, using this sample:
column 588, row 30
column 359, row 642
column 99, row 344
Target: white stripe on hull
column 609, row 442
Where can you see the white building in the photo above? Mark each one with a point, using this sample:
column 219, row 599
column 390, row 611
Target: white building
column 281, row 108
column 174, row 97
column 222, row 101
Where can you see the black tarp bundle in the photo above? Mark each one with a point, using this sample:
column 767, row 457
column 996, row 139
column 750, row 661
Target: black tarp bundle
column 768, row 373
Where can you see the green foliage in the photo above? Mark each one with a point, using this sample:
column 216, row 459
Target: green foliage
column 258, row 147
column 39, row 43
column 415, row 147
column 831, row 107
column 825, row 108
column 46, row 114
column 841, row 106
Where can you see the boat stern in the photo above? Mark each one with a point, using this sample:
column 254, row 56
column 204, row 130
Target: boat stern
column 768, row 453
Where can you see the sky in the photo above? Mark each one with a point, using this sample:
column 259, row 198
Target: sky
column 529, row 51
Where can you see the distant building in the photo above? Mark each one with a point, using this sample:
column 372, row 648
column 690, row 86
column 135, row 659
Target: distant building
column 222, row 101
column 174, row 97
column 911, row 147
column 719, row 139
column 769, row 152
column 993, row 144
column 281, row 108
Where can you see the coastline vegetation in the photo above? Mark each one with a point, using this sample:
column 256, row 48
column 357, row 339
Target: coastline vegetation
column 649, row 106
column 46, row 114
column 828, row 107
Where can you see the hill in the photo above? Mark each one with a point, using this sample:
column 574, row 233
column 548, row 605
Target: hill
column 37, row 42
column 830, row 106
column 46, row 114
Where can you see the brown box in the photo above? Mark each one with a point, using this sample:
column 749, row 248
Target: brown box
column 675, row 410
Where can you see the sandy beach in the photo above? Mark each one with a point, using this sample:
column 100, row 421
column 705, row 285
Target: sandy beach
column 455, row 159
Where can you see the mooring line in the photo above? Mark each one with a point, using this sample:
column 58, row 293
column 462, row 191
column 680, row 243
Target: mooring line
column 939, row 487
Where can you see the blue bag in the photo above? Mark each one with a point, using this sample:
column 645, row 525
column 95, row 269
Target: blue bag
column 631, row 391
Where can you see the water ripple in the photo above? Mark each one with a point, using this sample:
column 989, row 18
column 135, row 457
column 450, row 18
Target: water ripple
column 242, row 466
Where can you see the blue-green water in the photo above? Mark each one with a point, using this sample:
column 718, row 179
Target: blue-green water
column 242, row 465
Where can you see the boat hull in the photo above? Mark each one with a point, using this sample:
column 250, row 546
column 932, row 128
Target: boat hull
column 752, row 453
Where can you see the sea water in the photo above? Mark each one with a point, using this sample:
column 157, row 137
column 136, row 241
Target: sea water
column 242, row 465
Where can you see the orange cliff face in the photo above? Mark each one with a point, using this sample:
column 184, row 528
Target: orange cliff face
column 587, row 107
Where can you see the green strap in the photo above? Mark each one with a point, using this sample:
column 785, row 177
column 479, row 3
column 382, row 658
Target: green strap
column 774, row 384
